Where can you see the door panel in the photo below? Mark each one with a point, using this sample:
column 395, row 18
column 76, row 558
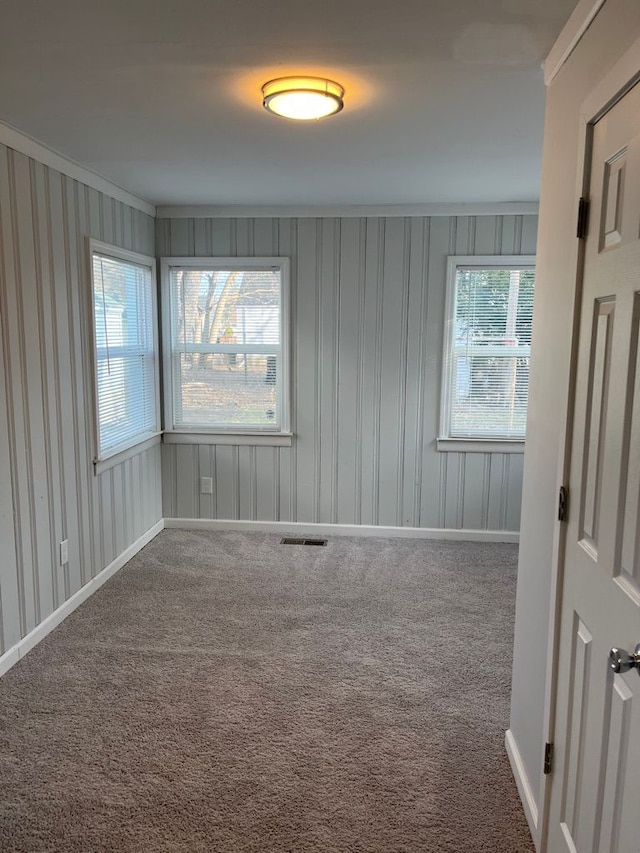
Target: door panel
column 595, row 789
column 574, row 769
column 597, row 398
column 628, row 554
column 611, row 221
column 617, row 742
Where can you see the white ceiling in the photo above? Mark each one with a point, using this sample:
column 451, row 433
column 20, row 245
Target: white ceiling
column 444, row 98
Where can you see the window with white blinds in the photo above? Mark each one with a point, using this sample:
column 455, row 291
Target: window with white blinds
column 125, row 348
column 488, row 345
column 226, row 369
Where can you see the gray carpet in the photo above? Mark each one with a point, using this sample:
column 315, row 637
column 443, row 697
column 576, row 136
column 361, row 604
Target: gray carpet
column 226, row 693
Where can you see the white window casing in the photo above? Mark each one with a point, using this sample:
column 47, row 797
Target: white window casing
column 125, row 349
column 226, row 348
column 487, row 345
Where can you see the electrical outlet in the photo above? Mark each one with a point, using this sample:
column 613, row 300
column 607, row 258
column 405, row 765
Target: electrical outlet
column 64, row 552
column 206, row 485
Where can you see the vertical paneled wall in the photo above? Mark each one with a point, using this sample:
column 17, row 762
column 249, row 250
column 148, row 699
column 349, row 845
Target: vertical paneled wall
column 367, row 335
column 48, row 491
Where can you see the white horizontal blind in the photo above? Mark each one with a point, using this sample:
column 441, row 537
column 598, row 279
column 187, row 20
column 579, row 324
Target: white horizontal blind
column 124, row 338
column 490, row 350
column 226, row 363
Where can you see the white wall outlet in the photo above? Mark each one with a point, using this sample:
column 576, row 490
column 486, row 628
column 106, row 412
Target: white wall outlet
column 64, row 552
column 206, row 485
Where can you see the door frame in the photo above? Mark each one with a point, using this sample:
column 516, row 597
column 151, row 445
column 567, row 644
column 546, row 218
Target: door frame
column 621, row 78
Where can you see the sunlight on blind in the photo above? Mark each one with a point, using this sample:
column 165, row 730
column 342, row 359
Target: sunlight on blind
column 226, row 348
column 125, row 359
column 489, row 361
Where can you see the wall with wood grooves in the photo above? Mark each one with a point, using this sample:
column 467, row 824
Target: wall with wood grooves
column 48, row 491
column 367, row 330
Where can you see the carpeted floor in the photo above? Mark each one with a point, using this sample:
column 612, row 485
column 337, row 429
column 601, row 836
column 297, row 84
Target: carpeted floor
column 226, row 693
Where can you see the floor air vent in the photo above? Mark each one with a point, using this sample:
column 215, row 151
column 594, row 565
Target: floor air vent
column 290, row 541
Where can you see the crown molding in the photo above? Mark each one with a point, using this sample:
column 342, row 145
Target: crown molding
column 579, row 22
column 19, row 141
column 242, row 211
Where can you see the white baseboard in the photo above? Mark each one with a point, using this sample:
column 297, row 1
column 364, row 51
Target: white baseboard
column 301, row 527
column 524, row 787
column 23, row 646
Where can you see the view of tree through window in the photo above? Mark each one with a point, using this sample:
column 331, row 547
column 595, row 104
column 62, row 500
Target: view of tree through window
column 226, row 347
column 490, row 350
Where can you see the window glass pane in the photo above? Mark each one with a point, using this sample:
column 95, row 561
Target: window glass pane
column 489, row 362
column 225, row 306
column 227, row 389
column 125, row 357
column 226, row 348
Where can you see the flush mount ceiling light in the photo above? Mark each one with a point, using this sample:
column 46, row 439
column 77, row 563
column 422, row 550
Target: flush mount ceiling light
column 302, row 98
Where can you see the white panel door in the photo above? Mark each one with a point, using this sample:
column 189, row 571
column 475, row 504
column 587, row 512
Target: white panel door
column 595, row 793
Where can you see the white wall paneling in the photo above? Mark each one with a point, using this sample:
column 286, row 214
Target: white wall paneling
column 48, row 490
column 367, row 325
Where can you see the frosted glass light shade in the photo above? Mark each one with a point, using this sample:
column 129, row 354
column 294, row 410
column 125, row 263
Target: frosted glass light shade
column 302, row 98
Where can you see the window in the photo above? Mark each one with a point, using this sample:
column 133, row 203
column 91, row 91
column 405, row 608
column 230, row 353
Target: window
column 487, row 348
column 125, row 347
column 226, row 366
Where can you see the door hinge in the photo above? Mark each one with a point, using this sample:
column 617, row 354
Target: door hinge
column 563, row 503
column 583, row 218
column 548, row 758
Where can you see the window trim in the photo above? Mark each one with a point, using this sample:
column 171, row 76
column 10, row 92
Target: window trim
column 107, row 459
column 480, row 444
column 235, row 439
column 226, row 263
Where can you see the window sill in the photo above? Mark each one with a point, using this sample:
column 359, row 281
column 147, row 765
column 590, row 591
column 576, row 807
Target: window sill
column 479, row 445
column 254, row 439
column 104, row 464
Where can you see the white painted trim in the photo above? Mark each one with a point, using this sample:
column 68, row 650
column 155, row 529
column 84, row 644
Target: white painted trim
column 579, row 22
column 19, row 141
column 478, row 445
column 101, row 465
column 236, row 439
column 99, row 247
column 613, row 86
column 114, row 455
column 23, row 646
column 281, row 263
column 244, row 211
column 523, row 785
column 454, row 262
column 368, row 530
